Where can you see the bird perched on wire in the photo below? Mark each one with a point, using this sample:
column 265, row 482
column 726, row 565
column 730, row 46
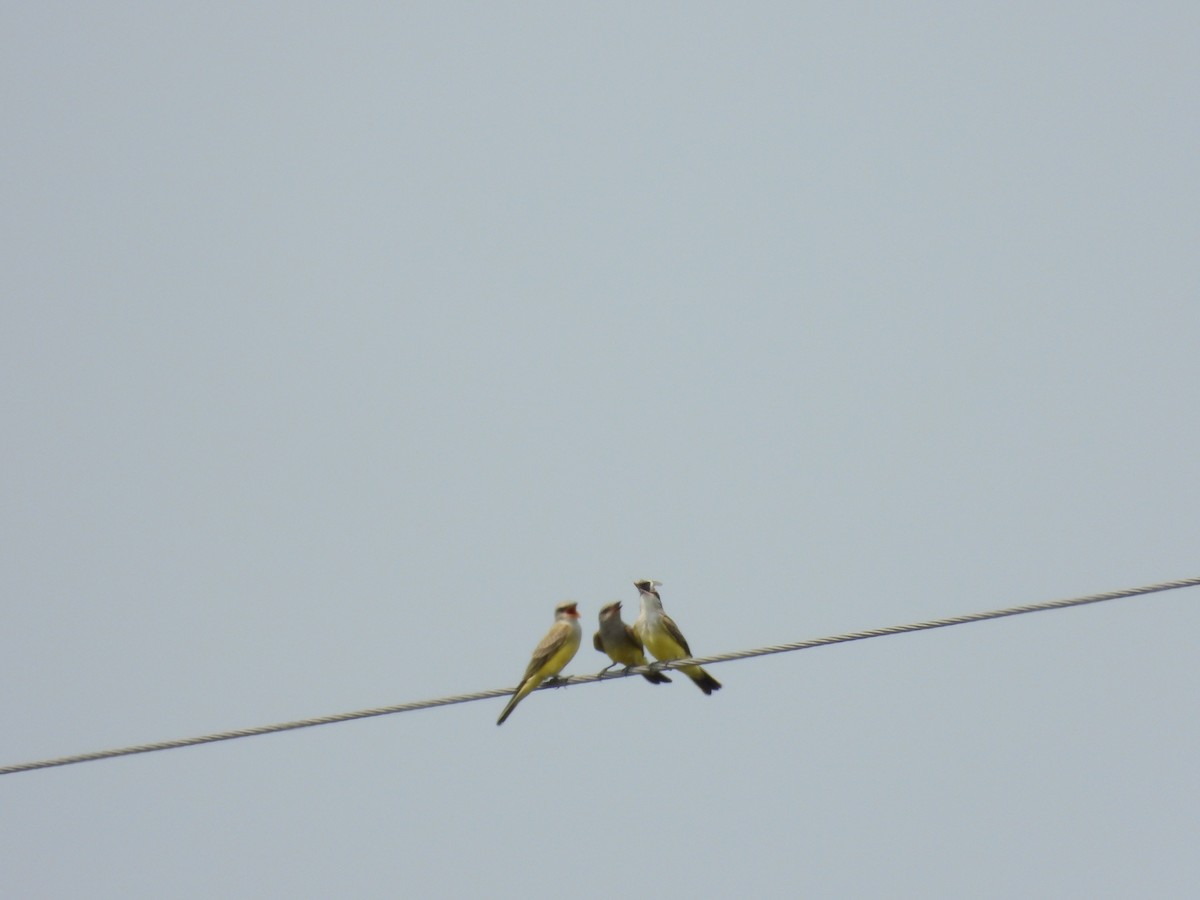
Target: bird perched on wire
column 620, row 643
column 557, row 649
column 661, row 636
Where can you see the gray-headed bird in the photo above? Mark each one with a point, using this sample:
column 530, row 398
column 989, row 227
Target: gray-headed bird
column 552, row 654
column 661, row 636
column 620, row 643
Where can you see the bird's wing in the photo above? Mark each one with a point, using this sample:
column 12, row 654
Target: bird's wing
column 634, row 639
column 554, row 639
column 676, row 634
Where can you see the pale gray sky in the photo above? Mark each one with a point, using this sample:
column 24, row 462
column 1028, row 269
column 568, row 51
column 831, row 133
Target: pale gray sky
column 342, row 341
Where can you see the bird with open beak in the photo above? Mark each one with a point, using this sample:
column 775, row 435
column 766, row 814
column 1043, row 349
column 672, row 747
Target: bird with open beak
column 557, row 649
column 620, row 643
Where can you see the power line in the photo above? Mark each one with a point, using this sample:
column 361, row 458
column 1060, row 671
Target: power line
column 604, row 676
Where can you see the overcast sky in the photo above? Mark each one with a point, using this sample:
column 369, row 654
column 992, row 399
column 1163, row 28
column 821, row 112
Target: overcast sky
column 340, row 342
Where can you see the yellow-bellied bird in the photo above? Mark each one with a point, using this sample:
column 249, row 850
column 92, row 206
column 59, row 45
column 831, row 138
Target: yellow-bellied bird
column 662, row 637
column 620, row 643
column 555, row 651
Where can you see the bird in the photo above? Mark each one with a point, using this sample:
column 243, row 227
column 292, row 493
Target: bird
column 661, row 636
column 551, row 655
column 620, row 643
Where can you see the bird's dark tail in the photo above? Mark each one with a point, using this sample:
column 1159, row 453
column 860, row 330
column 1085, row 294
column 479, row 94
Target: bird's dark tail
column 519, row 695
column 703, row 680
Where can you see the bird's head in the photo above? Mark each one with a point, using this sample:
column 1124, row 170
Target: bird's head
column 611, row 610
column 648, row 586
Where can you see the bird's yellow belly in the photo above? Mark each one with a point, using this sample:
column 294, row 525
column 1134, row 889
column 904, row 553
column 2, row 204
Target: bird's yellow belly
column 559, row 660
column 627, row 655
column 660, row 644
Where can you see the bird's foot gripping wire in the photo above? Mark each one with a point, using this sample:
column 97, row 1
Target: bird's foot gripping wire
column 606, row 668
column 556, row 681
